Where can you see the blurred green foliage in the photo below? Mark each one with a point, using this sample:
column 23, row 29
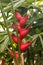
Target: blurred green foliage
column 35, row 52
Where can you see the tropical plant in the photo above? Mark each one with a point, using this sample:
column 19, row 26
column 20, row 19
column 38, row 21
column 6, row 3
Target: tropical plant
column 21, row 32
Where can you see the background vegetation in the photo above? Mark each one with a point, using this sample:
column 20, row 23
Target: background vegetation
column 34, row 54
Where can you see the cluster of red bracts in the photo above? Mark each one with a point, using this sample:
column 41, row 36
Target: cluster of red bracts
column 22, row 33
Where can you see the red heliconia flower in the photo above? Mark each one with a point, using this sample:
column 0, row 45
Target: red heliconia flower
column 12, row 53
column 18, row 16
column 24, row 32
column 3, row 61
column 25, row 46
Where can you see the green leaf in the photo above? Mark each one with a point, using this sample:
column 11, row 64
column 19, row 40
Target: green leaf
column 2, row 24
column 4, row 44
column 2, row 34
column 2, row 40
column 17, row 4
column 41, row 40
column 37, row 30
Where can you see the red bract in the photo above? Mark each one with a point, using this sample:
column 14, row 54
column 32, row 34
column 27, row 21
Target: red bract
column 23, row 20
column 21, row 23
column 14, row 38
column 24, row 46
column 16, row 26
column 24, row 32
column 17, row 54
column 12, row 53
column 18, row 16
column 3, row 61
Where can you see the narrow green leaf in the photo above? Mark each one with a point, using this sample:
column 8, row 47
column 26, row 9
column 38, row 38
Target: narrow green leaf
column 2, row 39
column 15, row 5
column 41, row 40
column 4, row 45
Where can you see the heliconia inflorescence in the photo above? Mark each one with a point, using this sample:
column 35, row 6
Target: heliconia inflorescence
column 21, row 31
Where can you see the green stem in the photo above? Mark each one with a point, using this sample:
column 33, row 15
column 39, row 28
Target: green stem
column 18, row 45
column 41, row 39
